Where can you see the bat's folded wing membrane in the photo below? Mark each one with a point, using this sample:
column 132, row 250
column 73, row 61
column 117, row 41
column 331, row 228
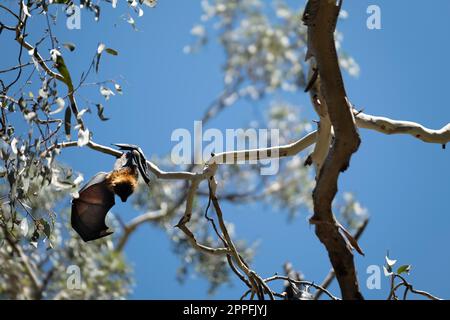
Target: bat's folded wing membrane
column 90, row 208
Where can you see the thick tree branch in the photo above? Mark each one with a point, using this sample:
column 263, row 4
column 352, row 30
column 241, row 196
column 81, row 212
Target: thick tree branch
column 321, row 17
column 331, row 275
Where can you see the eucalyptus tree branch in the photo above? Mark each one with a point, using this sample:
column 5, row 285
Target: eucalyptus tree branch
column 233, row 157
column 408, row 287
column 320, row 17
column 390, row 126
column 41, row 61
column 19, row 29
column 8, row 98
column 19, row 66
column 185, row 219
column 257, row 284
column 211, row 165
column 291, row 282
column 319, row 288
column 331, row 275
column 237, row 197
column 10, row 11
column 160, row 174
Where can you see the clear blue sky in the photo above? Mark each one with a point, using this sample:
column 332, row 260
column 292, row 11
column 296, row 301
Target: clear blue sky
column 402, row 181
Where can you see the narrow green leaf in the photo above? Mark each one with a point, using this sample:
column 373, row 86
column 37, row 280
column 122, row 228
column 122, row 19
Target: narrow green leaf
column 47, row 228
column 97, row 62
column 111, row 51
column 404, row 269
column 62, row 68
column 67, row 122
column 100, row 110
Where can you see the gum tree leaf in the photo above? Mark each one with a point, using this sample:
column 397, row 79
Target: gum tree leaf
column 387, row 273
column 106, row 92
column 14, row 145
column 100, row 110
column 82, row 112
column 83, row 137
column 97, row 62
column 96, row 9
column 406, row 268
column 118, row 88
column 25, row 9
column 54, row 54
column 47, row 229
column 62, row 68
column 131, row 21
column 111, row 51
column 24, row 227
column 69, row 46
column 60, row 106
column 100, row 48
column 390, row 262
column 67, row 122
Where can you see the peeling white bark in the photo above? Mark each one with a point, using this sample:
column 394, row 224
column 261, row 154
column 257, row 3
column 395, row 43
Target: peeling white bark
column 390, row 126
column 324, row 127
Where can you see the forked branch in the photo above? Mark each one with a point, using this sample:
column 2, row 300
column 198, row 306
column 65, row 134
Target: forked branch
column 320, row 16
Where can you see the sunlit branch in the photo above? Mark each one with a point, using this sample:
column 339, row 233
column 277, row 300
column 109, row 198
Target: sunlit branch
column 390, row 126
column 320, row 17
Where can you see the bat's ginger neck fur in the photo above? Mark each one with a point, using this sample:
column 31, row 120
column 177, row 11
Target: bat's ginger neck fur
column 123, row 182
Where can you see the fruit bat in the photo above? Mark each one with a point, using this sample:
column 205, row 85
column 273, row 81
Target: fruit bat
column 96, row 198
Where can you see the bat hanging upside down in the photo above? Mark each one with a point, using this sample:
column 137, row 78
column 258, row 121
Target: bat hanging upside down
column 96, row 198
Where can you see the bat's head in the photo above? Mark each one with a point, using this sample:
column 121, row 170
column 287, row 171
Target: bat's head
column 123, row 182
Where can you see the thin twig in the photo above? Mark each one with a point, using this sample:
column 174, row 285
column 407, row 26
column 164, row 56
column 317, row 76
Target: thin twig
column 303, row 282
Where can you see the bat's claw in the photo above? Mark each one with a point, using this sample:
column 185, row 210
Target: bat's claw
column 139, row 158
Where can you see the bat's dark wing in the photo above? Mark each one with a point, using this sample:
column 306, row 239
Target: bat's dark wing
column 90, row 208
